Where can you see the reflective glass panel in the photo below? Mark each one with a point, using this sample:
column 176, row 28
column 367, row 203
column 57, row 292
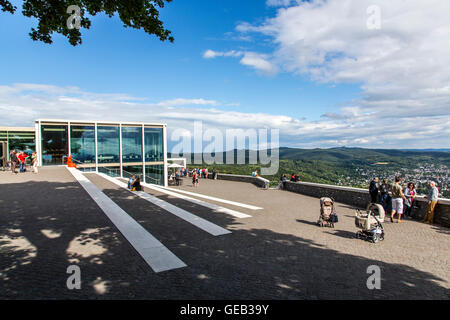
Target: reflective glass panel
column 154, row 174
column 108, row 144
column 131, row 144
column 22, row 141
column 54, row 144
column 82, row 143
column 153, row 138
column 128, row 171
column 110, row 171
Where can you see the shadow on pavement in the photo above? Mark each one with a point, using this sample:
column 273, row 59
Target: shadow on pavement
column 45, row 227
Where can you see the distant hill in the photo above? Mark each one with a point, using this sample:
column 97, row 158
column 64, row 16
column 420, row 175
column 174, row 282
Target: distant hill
column 365, row 156
column 361, row 156
column 349, row 166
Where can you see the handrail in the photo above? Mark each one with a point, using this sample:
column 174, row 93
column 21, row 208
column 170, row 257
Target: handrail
column 154, row 179
column 117, row 173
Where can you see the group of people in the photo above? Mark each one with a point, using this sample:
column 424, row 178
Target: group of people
column 134, row 183
column 19, row 159
column 197, row 174
column 402, row 199
column 283, row 179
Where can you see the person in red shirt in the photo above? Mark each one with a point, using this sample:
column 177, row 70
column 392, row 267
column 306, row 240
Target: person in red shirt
column 22, row 159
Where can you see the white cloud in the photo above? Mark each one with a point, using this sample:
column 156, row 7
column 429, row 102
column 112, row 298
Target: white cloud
column 182, row 102
column 355, row 126
column 210, row 54
column 403, row 68
column 257, row 61
column 280, row 3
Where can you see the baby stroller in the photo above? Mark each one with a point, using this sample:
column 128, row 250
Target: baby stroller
column 328, row 216
column 370, row 223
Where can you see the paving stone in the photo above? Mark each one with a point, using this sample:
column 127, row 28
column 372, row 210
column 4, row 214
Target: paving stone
column 48, row 222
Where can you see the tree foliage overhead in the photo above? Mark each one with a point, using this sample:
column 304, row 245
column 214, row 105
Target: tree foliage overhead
column 52, row 16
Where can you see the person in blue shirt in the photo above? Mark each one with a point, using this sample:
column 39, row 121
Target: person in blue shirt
column 130, row 181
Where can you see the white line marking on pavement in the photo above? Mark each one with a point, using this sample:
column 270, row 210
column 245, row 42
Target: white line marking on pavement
column 201, row 223
column 157, row 256
column 212, row 206
column 234, row 203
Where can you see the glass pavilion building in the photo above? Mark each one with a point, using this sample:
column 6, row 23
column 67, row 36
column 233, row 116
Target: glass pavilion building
column 118, row 149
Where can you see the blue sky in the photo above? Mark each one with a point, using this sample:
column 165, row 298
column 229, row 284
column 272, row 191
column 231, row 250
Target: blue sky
column 117, row 60
column 113, row 59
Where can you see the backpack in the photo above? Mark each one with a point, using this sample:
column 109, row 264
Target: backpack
column 334, row 217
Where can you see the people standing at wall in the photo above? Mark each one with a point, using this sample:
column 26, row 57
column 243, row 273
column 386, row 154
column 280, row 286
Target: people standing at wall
column 14, row 160
column 177, row 178
column 432, row 197
column 194, row 178
column 283, row 181
column 22, row 160
column 410, row 194
column 397, row 200
column 384, row 199
column 373, row 190
column 34, row 162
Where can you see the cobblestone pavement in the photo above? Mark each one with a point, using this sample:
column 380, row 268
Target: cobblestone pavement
column 48, row 222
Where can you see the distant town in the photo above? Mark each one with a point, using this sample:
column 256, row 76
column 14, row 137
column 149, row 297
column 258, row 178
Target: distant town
column 420, row 176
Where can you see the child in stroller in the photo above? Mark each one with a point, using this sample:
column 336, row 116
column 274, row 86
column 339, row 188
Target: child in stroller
column 328, row 216
column 370, row 223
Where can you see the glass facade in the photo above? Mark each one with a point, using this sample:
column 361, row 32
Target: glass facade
column 132, row 144
column 3, row 136
column 110, row 171
column 19, row 140
column 54, row 144
column 82, row 143
column 108, row 144
column 140, row 145
column 128, row 171
column 22, row 140
column 153, row 138
column 154, row 174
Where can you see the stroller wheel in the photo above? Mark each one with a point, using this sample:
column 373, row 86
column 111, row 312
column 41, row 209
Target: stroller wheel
column 375, row 238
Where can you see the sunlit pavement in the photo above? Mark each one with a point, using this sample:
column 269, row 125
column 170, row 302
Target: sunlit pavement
column 48, row 222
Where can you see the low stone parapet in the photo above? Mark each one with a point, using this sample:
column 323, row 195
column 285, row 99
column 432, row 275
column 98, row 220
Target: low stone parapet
column 258, row 181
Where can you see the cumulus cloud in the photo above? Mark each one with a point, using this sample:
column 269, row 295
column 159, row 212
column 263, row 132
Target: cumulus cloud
column 210, row 54
column 280, row 3
column 182, row 102
column 403, row 67
column 258, row 61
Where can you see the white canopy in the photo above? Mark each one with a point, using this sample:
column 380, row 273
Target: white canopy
column 175, row 165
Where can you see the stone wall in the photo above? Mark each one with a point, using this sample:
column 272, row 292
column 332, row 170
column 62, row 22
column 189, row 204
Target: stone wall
column 258, row 181
column 360, row 198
